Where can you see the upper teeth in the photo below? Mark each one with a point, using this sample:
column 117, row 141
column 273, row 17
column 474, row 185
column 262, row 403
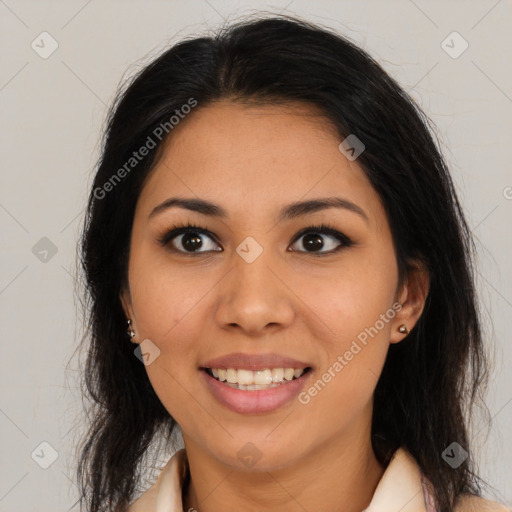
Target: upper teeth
column 249, row 377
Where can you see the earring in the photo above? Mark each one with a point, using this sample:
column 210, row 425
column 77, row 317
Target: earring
column 130, row 331
column 403, row 329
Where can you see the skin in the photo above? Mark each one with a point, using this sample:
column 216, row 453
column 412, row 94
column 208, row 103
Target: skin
column 252, row 160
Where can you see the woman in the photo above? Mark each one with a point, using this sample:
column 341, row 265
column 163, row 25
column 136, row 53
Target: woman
column 274, row 226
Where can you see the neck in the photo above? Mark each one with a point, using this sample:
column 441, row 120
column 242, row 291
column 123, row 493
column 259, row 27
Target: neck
column 338, row 475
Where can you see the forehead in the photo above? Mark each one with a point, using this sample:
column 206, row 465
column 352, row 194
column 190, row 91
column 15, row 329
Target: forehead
column 256, row 158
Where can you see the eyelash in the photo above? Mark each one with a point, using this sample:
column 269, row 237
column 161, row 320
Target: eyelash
column 190, row 228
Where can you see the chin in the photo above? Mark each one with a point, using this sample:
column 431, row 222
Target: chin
column 259, row 455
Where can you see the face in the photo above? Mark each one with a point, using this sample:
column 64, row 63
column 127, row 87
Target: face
column 248, row 294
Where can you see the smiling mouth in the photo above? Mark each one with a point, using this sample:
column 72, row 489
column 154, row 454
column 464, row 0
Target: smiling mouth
column 258, row 380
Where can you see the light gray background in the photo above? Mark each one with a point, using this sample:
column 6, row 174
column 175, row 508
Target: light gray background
column 52, row 115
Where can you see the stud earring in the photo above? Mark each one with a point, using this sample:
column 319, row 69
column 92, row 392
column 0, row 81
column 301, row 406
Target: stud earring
column 403, row 329
column 130, row 331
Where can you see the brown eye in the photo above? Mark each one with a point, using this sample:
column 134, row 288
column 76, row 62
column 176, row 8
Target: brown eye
column 192, row 240
column 313, row 240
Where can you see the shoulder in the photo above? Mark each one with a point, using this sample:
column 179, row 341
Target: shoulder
column 470, row 503
column 465, row 503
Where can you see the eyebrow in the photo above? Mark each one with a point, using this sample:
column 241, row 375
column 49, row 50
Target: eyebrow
column 290, row 211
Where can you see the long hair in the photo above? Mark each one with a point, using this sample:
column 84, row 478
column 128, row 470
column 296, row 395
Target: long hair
column 430, row 380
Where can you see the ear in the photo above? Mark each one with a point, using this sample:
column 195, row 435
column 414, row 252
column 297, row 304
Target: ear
column 126, row 302
column 412, row 296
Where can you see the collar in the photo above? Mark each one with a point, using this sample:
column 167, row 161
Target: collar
column 400, row 488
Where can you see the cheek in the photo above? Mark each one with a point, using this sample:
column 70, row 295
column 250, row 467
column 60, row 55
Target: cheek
column 168, row 311
column 352, row 298
column 169, row 307
column 360, row 317
column 164, row 297
column 357, row 308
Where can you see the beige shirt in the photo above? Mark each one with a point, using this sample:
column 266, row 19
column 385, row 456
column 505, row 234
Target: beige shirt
column 401, row 488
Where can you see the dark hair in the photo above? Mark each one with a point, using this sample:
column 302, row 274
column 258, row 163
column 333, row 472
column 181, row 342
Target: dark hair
column 430, row 380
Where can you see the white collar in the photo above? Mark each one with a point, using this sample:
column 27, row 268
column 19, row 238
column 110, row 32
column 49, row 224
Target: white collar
column 402, row 488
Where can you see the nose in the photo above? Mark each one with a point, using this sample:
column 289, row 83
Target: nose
column 254, row 298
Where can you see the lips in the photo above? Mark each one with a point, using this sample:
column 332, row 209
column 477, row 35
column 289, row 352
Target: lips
column 253, row 362
column 255, row 384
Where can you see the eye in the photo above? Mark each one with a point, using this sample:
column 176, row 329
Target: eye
column 190, row 237
column 313, row 239
column 194, row 238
